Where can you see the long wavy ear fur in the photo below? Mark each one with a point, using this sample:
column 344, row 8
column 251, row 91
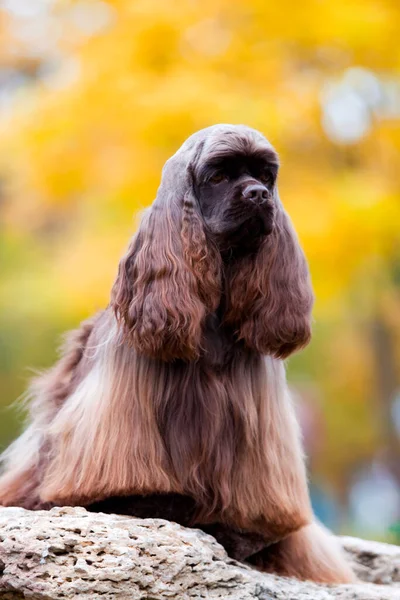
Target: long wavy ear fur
column 169, row 279
column 269, row 296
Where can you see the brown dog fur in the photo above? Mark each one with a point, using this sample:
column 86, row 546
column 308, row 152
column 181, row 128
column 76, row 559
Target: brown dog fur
column 173, row 401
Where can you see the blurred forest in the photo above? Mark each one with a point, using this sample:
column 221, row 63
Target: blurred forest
column 95, row 95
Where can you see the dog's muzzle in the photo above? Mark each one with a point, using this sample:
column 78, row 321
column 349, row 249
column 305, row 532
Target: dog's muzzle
column 256, row 193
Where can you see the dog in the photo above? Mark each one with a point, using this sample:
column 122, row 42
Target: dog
column 173, row 401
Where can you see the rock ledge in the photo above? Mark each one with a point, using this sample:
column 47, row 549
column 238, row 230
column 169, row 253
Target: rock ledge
column 71, row 553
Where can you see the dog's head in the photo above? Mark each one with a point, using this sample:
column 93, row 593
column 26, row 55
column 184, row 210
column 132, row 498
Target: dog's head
column 234, row 182
column 216, row 235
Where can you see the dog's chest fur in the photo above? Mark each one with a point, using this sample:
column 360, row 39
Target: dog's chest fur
column 209, row 405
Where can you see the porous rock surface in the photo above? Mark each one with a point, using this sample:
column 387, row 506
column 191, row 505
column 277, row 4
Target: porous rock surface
column 71, row 553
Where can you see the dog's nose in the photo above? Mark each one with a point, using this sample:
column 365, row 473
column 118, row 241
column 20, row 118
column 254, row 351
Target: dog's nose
column 256, row 193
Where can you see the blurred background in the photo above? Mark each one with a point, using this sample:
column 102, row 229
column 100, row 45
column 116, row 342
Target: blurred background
column 95, row 95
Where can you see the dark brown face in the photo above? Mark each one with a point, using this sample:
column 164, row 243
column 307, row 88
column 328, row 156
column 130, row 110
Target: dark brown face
column 235, row 193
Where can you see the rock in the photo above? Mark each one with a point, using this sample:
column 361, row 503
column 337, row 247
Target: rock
column 71, row 553
column 374, row 561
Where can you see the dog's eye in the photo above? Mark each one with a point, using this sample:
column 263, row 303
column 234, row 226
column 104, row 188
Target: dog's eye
column 218, row 177
column 266, row 178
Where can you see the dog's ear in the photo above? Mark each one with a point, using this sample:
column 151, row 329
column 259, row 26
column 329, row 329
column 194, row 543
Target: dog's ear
column 169, row 279
column 269, row 295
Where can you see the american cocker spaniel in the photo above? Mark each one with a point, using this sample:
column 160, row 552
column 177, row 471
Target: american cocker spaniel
column 173, row 401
